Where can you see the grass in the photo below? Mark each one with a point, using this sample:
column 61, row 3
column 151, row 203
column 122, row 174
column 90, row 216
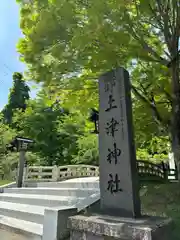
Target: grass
column 163, row 200
column 3, row 182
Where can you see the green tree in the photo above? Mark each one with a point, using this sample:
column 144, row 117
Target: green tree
column 19, row 94
column 7, row 134
column 87, row 150
column 87, row 38
column 7, row 160
column 52, row 129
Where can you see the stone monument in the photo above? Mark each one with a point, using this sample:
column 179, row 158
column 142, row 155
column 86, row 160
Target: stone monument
column 119, row 215
column 118, row 172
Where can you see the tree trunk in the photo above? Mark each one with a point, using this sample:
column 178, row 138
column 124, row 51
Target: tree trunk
column 175, row 120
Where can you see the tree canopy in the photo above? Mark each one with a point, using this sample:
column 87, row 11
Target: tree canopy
column 67, row 45
column 19, row 94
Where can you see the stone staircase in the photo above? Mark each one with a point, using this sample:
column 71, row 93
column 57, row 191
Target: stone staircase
column 23, row 209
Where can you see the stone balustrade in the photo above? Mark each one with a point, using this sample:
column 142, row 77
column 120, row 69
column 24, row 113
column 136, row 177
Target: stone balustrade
column 146, row 171
column 54, row 173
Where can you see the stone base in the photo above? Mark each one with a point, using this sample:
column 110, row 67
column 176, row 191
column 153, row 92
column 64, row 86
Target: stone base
column 102, row 227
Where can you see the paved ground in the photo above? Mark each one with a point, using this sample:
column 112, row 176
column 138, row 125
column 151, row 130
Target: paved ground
column 4, row 235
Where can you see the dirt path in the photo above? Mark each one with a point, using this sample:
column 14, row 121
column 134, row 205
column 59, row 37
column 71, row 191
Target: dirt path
column 4, row 235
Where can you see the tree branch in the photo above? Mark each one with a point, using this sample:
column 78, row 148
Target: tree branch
column 163, row 20
column 177, row 29
column 164, row 12
column 154, row 108
column 174, row 16
column 176, row 19
column 151, row 104
column 169, row 65
column 154, row 12
column 141, row 40
column 149, row 49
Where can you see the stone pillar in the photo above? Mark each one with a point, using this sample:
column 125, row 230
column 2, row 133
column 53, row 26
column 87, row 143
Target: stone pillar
column 55, row 173
column 21, row 168
column 118, row 170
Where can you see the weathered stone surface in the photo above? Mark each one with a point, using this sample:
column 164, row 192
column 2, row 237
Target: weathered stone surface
column 101, row 227
column 118, row 171
column 55, row 223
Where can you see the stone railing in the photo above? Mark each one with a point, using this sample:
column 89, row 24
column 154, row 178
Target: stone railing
column 54, row 173
column 150, row 171
column 146, row 171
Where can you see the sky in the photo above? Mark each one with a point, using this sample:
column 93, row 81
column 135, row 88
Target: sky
column 9, row 58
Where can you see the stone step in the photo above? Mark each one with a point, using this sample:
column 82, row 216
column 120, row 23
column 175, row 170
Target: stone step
column 24, row 212
column 24, row 208
column 73, row 192
column 32, row 230
column 40, row 200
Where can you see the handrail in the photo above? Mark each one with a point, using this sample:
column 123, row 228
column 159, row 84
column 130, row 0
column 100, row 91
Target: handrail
column 58, row 173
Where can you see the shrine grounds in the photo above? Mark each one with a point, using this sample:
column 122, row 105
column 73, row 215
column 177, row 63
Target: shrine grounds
column 163, row 200
column 158, row 200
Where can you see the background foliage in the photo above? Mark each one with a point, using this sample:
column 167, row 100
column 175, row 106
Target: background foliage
column 66, row 46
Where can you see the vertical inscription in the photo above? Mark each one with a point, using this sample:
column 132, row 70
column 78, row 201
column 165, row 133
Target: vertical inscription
column 122, row 118
column 114, row 184
column 111, row 129
column 110, row 102
column 108, row 85
column 113, row 154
